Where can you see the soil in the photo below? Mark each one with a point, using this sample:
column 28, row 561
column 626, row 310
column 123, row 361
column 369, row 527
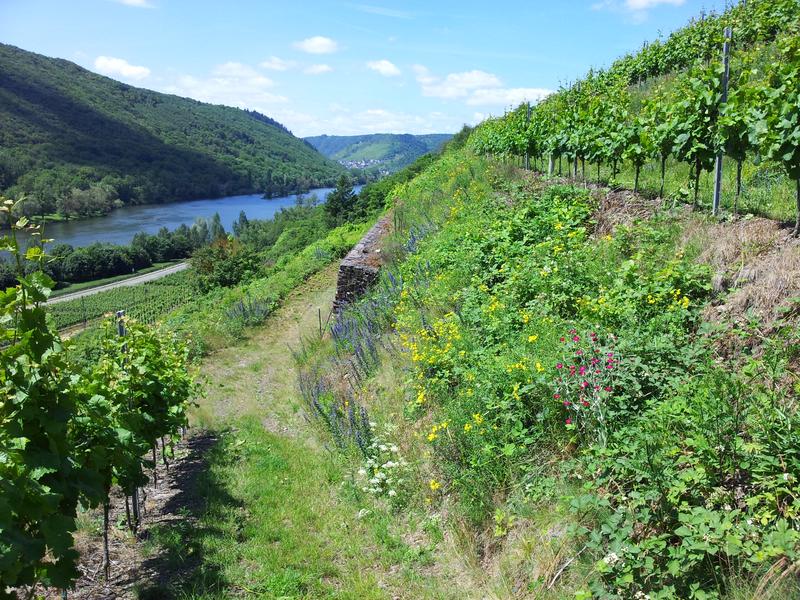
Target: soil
column 172, row 502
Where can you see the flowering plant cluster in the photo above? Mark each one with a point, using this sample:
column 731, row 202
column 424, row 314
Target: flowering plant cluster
column 385, row 470
column 585, row 379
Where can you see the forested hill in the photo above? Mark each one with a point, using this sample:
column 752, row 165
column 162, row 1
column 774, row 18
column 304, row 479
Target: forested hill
column 380, row 151
column 79, row 143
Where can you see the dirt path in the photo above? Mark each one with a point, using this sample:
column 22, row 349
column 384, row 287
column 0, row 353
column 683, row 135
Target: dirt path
column 258, row 376
column 135, row 280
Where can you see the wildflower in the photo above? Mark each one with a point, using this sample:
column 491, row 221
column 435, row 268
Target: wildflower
column 607, row 388
column 478, row 418
column 576, row 338
column 467, row 427
column 434, row 485
column 392, row 493
column 568, row 421
column 559, row 366
column 539, row 367
column 432, row 436
column 558, row 226
column 611, row 559
column 556, row 396
column 533, row 338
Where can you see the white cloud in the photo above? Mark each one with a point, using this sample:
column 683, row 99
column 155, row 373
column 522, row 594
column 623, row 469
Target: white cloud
column 454, row 85
column 317, row 69
column 344, row 121
column 382, row 11
column 384, row 67
column 636, row 10
column 476, row 88
column 507, row 96
column 273, row 63
column 108, row 65
column 646, row 4
column 136, row 3
column 317, row 45
column 231, row 84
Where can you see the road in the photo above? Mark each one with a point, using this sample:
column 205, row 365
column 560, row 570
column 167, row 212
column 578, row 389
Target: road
column 135, row 280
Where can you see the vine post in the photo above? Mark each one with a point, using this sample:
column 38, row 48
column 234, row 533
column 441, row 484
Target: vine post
column 135, row 492
column 726, row 50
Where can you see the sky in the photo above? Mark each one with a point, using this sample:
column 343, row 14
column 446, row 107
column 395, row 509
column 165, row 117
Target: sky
column 346, row 68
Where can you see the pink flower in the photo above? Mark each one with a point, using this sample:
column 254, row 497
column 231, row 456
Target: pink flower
column 569, row 421
column 576, row 338
column 584, row 385
column 556, row 396
column 585, row 403
column 561, row 339
column 578, row 352
column 559, row 366
column 607, row 388
column 582, row 370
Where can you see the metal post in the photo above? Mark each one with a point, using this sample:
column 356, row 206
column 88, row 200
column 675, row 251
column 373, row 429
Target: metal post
column 726, row 50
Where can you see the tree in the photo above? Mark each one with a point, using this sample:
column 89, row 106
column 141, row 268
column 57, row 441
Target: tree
column 215, row 229
column 339, row 204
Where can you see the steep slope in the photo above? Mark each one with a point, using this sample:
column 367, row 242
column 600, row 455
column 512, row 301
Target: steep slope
column 387, row 152
column 63, row 127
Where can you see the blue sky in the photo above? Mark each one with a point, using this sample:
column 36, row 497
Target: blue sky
column 346, row 67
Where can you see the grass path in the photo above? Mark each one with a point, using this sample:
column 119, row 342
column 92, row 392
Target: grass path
column 279, row 518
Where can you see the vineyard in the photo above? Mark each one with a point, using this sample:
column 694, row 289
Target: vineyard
column 146, row 302
column 664, row 105
column 70, row 430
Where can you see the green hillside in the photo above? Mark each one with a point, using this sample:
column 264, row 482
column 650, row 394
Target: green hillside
column 63, row 128
column 386, row 152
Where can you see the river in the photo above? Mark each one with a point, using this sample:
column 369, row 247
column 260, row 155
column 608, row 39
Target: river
column 119, row 226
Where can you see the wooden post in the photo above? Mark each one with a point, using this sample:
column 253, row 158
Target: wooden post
column 527, row 122
column 135, row 494
column 726, row 49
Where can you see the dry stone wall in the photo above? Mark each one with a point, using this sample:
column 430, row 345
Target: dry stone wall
column 360, row 268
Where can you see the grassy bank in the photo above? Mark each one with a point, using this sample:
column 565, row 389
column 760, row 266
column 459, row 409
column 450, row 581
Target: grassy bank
column 557, row 389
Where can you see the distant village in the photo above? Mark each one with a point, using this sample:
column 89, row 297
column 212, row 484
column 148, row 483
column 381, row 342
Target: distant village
column 365, row 164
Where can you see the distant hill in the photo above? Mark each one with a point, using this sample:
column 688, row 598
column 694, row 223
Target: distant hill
column 77, row 142
column 387, row 152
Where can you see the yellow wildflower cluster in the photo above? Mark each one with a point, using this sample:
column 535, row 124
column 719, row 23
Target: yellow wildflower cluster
column 532, row 338
column 434, row 485
column 421, row 397
column 520, row 365
column 436, row 430
column 678, row 300
column 494, row 305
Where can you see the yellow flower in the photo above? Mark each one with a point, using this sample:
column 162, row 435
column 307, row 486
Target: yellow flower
column 559, row 226
column 539, row 367
column 434, row 485
column 607, row 238
column 478, row 418
column 432, row 436
column 533, row 338
column 467, row 427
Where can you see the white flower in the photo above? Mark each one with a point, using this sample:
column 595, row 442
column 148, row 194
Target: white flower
column 392, row 493
column 374, row 481
column 393, row 448
column 382, row 448
column 362, row 472
column 611, row 559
